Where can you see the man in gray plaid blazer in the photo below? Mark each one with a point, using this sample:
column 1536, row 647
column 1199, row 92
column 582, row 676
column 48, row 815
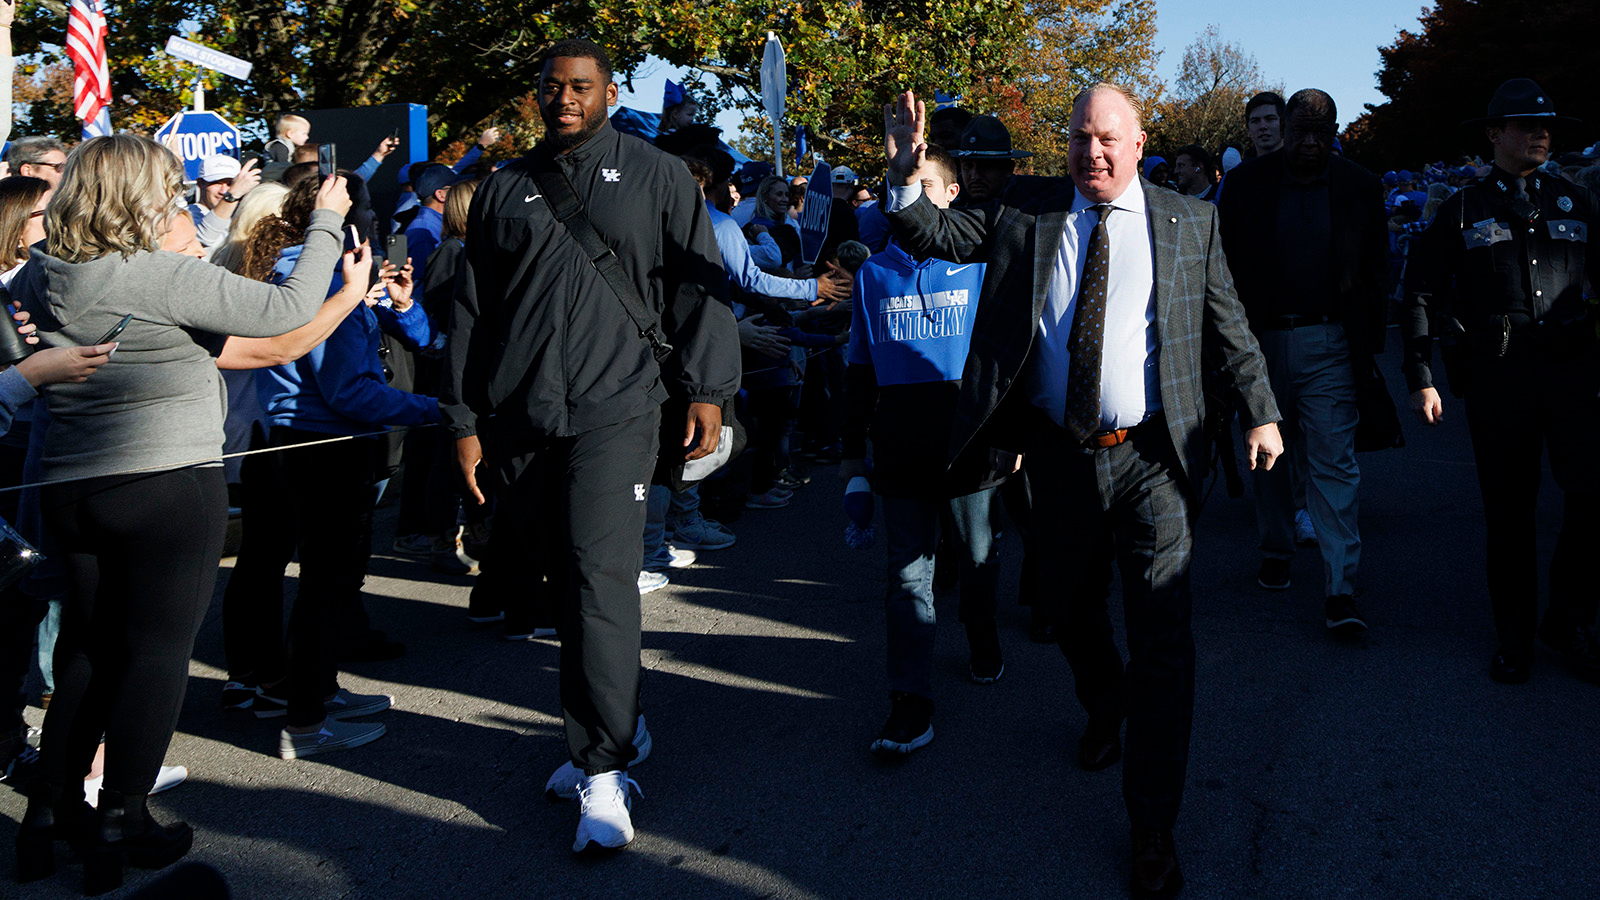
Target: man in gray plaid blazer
column 1101, row 293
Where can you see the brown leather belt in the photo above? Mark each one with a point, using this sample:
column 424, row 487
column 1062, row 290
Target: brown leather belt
column 1109, row 438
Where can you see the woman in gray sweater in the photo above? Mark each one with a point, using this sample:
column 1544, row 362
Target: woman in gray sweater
column 138, row 523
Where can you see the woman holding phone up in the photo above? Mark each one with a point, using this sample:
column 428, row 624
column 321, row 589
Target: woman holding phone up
column 138, row 525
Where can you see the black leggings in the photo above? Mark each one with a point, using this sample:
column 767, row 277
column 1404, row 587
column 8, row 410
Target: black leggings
column 141, row 553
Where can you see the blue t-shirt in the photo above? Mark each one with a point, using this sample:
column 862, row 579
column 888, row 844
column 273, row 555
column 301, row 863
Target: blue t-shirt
column 913, row 320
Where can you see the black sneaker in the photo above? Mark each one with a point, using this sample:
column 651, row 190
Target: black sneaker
column 983, row 640
column 1274, row 575
column 830, row 455
column 910, row 725
column 238, row 696
column 1343, row 616
column 269, row 706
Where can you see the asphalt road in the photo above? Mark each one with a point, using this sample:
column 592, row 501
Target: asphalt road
column 1388, row 768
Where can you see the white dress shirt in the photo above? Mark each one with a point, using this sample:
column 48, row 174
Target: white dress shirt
column 1130, row 373
column 1130, row 376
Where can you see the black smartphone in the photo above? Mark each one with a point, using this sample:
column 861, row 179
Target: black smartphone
column 327, row 160
column 395, row 133
column 394, row 250
column 115, row 330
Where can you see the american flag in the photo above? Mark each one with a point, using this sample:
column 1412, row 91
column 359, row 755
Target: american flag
column 91, row 77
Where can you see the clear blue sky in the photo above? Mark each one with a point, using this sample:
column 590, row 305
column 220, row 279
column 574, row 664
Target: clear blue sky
column 1329, row 44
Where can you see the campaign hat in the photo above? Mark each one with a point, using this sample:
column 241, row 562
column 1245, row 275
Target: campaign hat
column 986, row 137
column 1521, row 98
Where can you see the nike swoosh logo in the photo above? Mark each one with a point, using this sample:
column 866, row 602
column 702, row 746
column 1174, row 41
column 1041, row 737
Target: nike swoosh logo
column 961, row 269
column 531, row 197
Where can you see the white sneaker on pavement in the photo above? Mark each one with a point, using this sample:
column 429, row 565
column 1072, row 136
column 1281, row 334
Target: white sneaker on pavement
column 168, row 778
column 651, row 581
column 565, row 781
column 604, row 820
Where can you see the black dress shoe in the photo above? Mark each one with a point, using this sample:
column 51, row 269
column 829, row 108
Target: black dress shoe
column 1155, row 873
column 1577, row 645
column 1511, row 666
column 1040, row 629
column 1100, row 746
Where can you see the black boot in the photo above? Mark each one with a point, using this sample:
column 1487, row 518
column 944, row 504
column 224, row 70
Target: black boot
column 127, row 834
column 52, row 816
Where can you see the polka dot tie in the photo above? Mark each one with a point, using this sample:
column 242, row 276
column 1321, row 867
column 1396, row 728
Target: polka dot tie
column 1088, row 331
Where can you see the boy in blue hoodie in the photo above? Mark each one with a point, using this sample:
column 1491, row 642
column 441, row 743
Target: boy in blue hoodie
column 911, row 327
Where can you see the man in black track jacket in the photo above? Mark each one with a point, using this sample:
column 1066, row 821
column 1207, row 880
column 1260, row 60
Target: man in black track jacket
column 554, row 388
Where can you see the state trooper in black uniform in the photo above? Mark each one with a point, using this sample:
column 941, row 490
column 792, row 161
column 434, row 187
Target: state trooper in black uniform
column 1498, row 278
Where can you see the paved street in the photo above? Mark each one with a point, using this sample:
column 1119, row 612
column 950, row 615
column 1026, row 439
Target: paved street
column 1390, row 768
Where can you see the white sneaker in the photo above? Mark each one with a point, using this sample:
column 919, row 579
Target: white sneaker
column 565, row 781
column 681, row 559
column 651, row 581
column 168, row 778
column 604, row 819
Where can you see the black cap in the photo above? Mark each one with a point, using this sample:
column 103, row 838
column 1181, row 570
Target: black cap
column 1521, row 98
column 986, row 137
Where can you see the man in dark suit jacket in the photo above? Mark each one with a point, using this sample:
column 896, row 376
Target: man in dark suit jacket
column 1109, row 412
column 1307, row 243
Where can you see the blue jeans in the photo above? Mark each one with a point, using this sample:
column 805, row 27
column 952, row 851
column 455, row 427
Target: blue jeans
column 656, row 554
column 1315, row 386
column 912, row 525
column 49, row 628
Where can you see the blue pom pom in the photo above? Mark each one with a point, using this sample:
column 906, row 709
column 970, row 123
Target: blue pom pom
column 858, row 537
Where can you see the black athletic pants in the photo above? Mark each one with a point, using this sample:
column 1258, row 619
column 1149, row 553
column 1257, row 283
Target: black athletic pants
column 1541, row 397
column 583, row 499
column 141, row 553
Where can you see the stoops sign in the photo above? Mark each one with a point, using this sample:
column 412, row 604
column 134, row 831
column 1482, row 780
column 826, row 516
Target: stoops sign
column 197, row 135
column 814, row 217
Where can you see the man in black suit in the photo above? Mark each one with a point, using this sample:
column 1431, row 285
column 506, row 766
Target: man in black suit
column 1307, row 242
column 1100, row 292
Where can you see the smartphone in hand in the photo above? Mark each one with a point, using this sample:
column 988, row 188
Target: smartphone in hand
column 394, row 250
column 327, row 160
column 115, row 330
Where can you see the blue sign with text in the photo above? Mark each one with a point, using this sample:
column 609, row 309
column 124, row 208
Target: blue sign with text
column 197, row 135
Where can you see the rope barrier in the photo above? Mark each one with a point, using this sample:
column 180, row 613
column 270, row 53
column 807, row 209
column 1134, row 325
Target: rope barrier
column 172, row 467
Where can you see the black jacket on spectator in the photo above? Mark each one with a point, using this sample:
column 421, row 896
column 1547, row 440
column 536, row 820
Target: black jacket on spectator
column 1359, row 258
column 537, row 338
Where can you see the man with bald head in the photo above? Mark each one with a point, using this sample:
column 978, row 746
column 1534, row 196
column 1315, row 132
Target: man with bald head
column 1100, row 295
column 1307, row 241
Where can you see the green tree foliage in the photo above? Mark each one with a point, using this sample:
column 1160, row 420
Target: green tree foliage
column 467, row 62
column 1444, row 73
column 846, row 58
column 1215, row 80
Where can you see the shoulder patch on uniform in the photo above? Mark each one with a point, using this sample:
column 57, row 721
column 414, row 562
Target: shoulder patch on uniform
column 1565, row 203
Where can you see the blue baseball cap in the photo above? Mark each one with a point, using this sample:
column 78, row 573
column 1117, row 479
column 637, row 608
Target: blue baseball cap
column 1390, row 178
column 1405, row 175
column 431, row 177
column 405, row 173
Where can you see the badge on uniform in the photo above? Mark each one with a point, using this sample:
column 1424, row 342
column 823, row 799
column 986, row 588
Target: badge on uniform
column 1565, row 203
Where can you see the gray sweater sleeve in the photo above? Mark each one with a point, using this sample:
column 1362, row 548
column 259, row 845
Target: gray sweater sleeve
column 212, row 229
column 216, row 300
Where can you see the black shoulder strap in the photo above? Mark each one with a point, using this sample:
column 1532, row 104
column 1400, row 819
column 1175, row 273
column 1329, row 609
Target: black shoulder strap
column 569, row 212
